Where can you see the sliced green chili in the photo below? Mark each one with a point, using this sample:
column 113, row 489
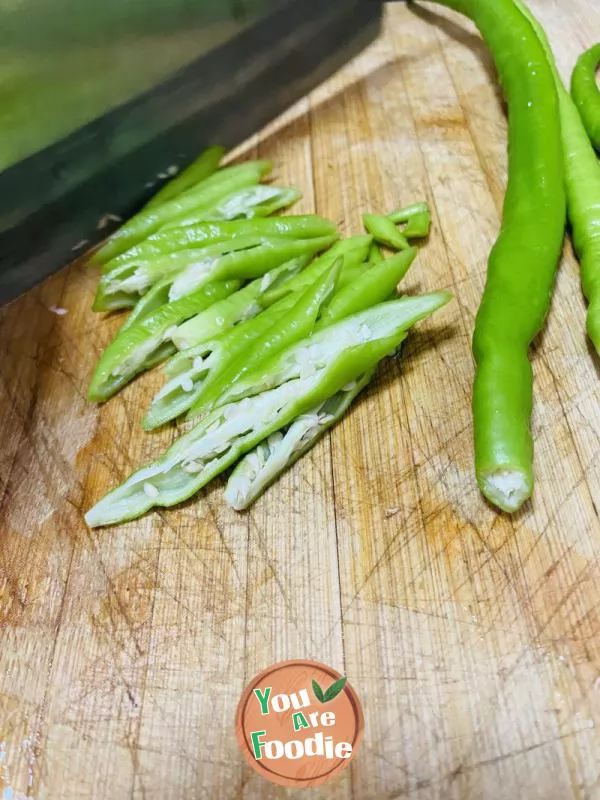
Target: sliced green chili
column 232, row 430
column 385, row 232
column 134, row 349
column 205, row 196
column 198, row 170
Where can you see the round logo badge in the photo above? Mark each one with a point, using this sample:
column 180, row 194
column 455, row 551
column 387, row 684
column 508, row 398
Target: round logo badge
column 299, row 723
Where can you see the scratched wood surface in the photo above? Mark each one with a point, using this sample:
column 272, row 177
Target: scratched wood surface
column 473, row 639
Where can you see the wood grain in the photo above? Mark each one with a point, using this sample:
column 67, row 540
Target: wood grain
column 472, row 638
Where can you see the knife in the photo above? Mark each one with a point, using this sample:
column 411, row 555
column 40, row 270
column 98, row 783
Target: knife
column 99, row 103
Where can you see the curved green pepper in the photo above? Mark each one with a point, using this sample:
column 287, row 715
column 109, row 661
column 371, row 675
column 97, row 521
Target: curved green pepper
column 522, row 264
column 582, row 182
column 586, row 94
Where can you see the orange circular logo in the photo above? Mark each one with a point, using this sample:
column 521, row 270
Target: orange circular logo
column 299, row 723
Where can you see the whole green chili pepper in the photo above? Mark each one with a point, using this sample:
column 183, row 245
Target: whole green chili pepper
column 203, row 234
column 259, row 468
column 242, row 305
column 582, row 182
column 135, row 349
column 374, row 285
column 385, row 232
column 353, row 250
column 205, row 196
column 204, row 166
column 246, row 203
column 189, row 370
column 250, row 263
column 523, row 261
column 586, row 93
column 297, row 324
column 230, row 431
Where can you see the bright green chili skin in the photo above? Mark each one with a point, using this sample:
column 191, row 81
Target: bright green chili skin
column 417, row 218
column 247, row 264
column 244, row 257
column 200, row 169
column 354, row 250
column 582, row 182
column 242, row 305
column 250, row 202
column 165, row 242
column 297, row 324
column 385, row 232
column 523, row 261
column 189, row 370
column 374, row 285
column 326, row 344
column 135, row 278
column 135, row 349
column 406, row 213
column 206, row 195
column 586, row 93
column 259, row 468
column 230, row 431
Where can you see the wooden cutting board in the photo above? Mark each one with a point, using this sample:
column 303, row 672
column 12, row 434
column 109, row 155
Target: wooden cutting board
column 472, row 638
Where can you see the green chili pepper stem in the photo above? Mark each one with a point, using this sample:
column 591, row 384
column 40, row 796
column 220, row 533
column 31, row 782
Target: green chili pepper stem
column 259, row 468
column 586, row 93
column 371, row 286
column 582, row 183
column 205, row 234
column 198, row 170
column 385, row 232
column 405, row 214
column 230, row 431
column 207, row 194
column 297, row 324
column 134, row 349
column 523, row 261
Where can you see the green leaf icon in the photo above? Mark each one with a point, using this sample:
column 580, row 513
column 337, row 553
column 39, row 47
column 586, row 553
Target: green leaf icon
column 318, row 692
column 335, row 689
column 332, row 692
